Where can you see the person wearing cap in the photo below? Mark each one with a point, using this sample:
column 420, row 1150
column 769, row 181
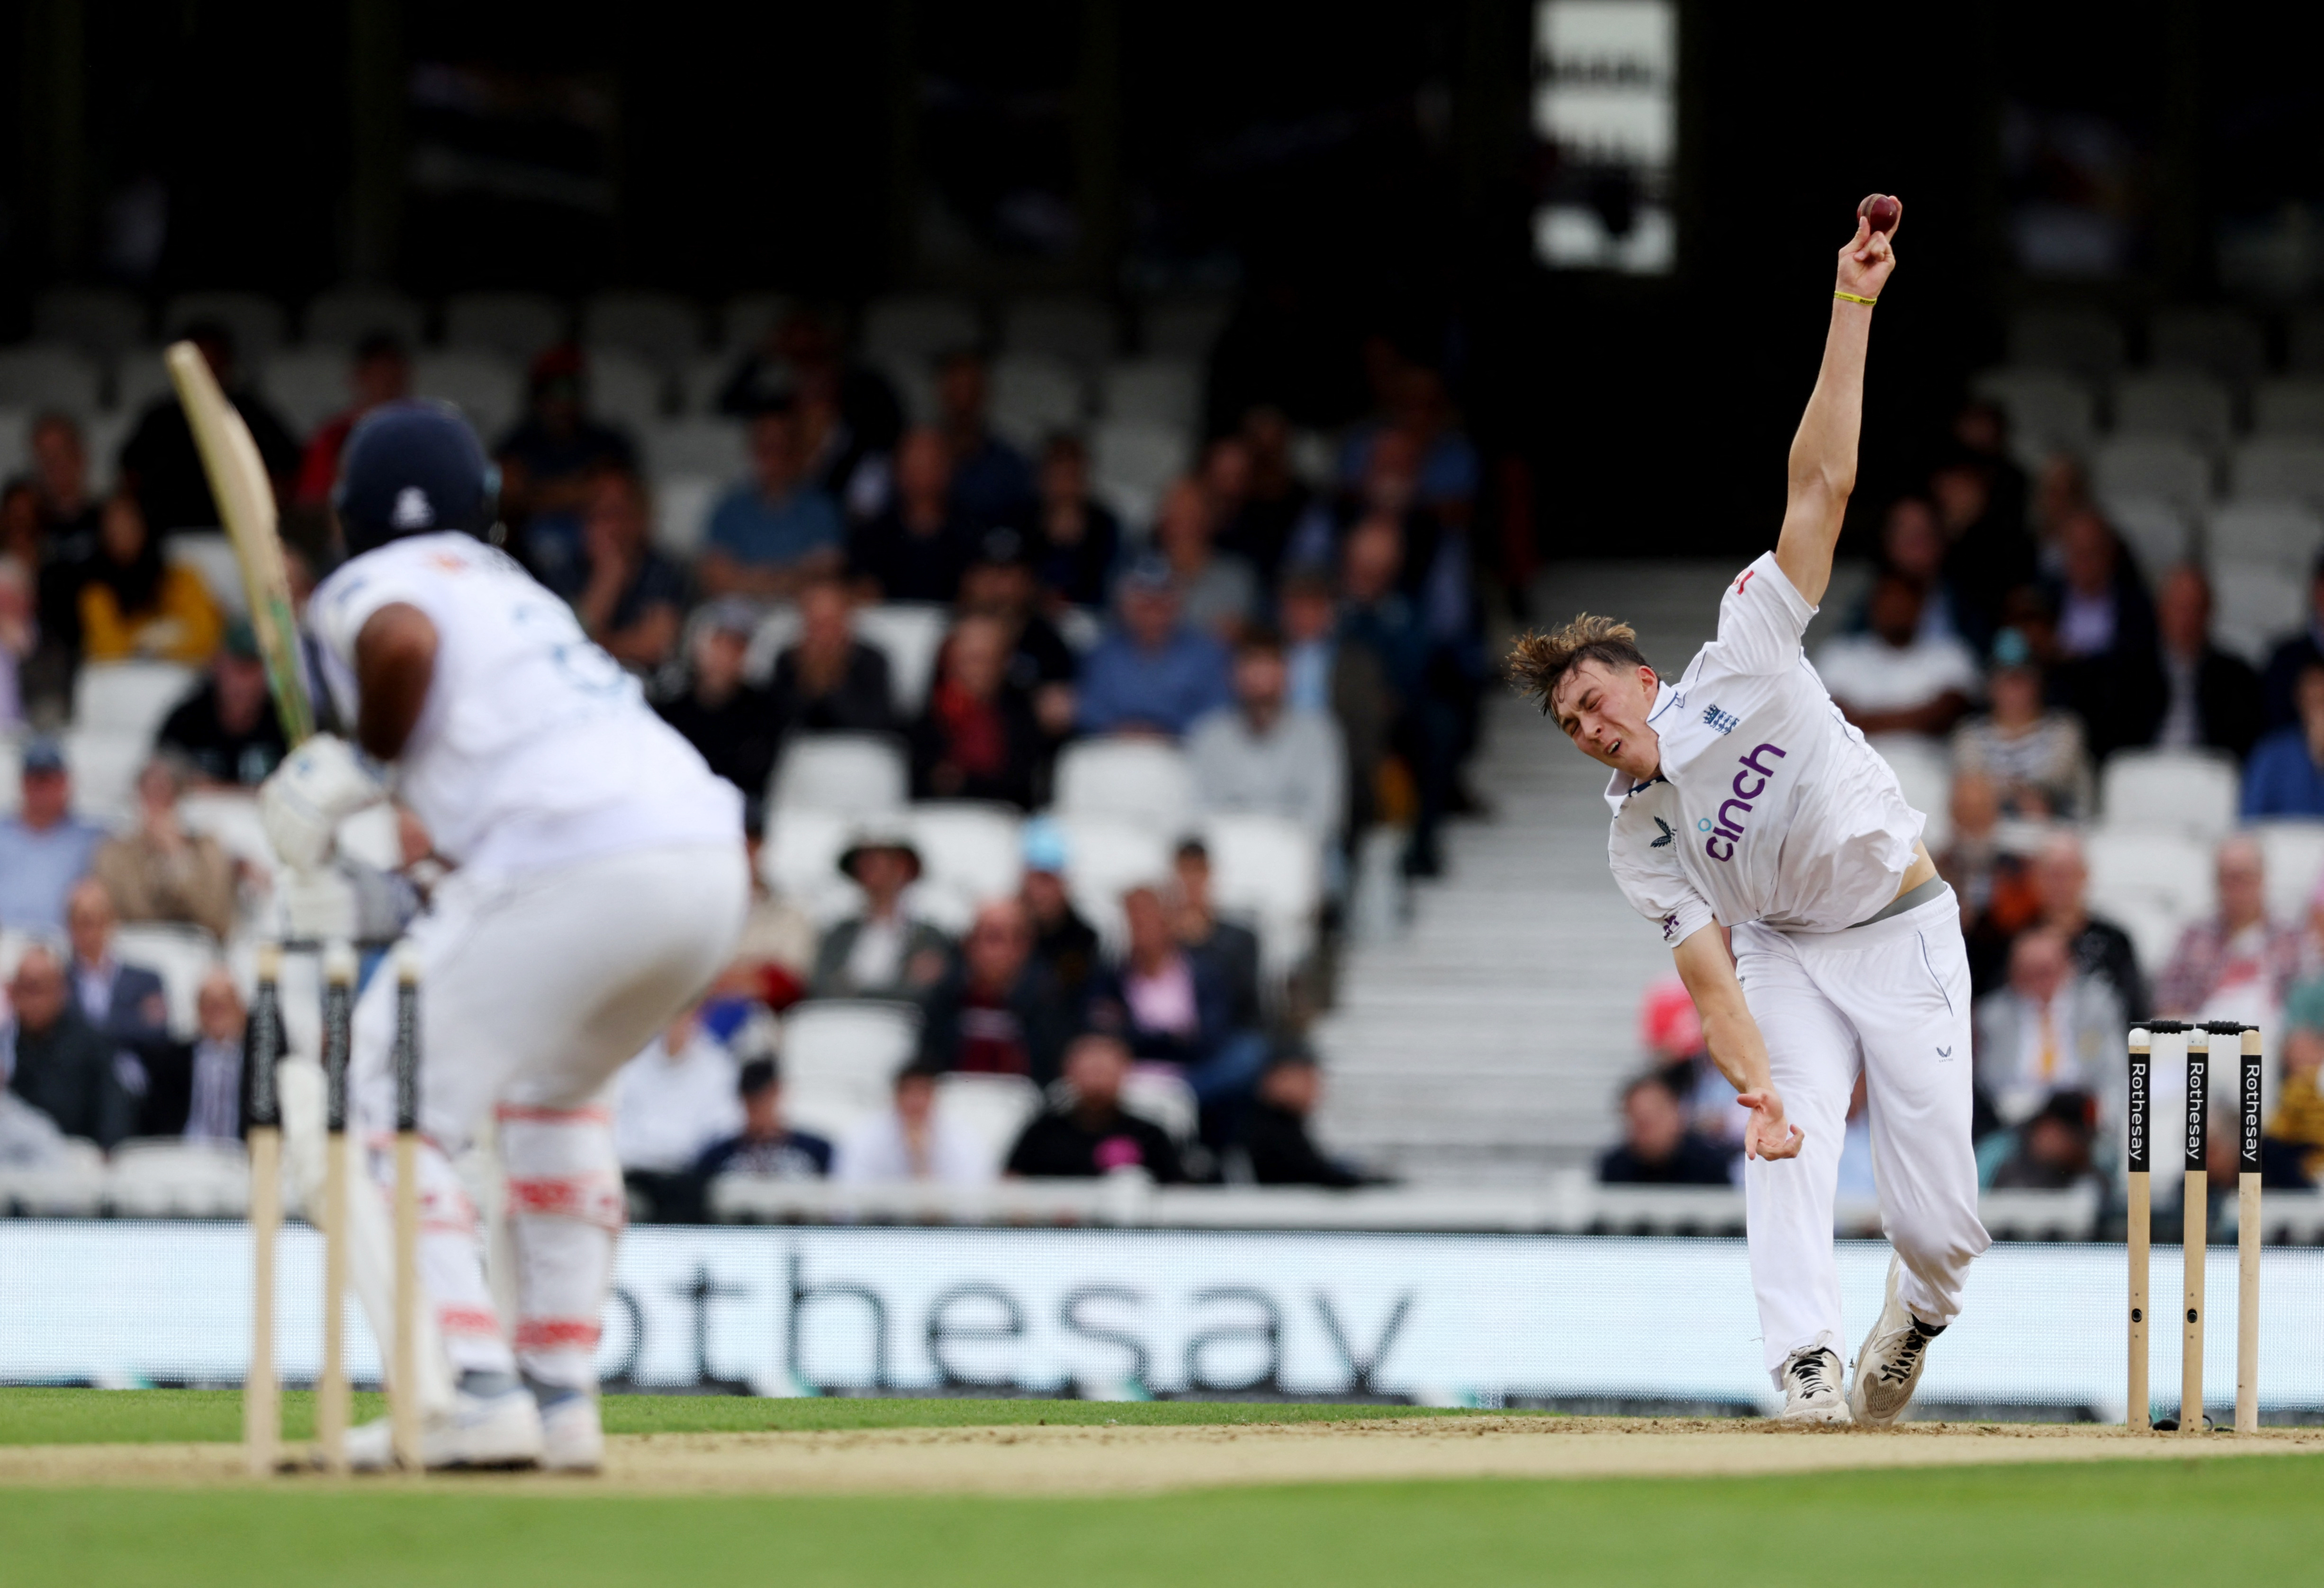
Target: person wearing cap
column 775, row 529
column 1062, row 941
column 551, row 459
column 226, row 732
column 884, row 952
column 766, row 1145
column 2035, row 754
column 44, row 847
column 159, row 466
column 917, row 548
column 1152, row 673
column 134, row 604
column 722, row 713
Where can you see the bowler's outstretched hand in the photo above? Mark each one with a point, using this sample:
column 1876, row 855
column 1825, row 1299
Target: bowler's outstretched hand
column 1767, row 1134
column 1869, row 256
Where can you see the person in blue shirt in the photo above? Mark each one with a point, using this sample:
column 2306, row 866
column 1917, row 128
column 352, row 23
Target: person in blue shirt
column 2285, row 773
column 44, row 847
column 1151, row 673
column 774, row 531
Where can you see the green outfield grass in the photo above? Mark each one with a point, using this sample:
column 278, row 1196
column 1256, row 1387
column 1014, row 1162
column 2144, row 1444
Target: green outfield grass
column 2250, row 1519
column 138, row 1417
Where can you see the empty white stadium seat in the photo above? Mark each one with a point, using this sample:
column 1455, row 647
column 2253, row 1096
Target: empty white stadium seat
column 179, row 955
column 776, row 633
column 800, row 857
column 701, row 379
column 2193, row 791
column 858, row 1044
column 2291, row 406
column 659, row 327
column 992, row 1110
column 2276, row 469
column 2285, row 533
column 487, row 385
column 1152, row 390
column 1137, row 780
column 852, row 773
column 625, row 391
column 2172, row 869
column 2050, row 411
column 2086, row 342
column 105, row 764
column 1132, row 463
column 975, row 849
column 1268, row 870
column 232, row 818
column 179, row 1180
column 306, row 385
column 1078, row 330
column 49, row 375
column 1184, row 327
column 103, row 322
column 1924, row 772
column 344, row 315
column 682, row 505
column 748, row 317
column 2152, row 466
column 12, row 777
column 2222, row 343
column 2152, row 924
column 919, row 326
column 1165, row 1098
column 2184, row 403
column 129, row 697
column 514, row 325
column 256, row 323
column 697, row 445
column 1034, row 396
column 2294, row 851
column 909, row 634
column 73, row 1188
column 209, row 553
column 2155, row 529
column 139, row 381
column 2253, row 604
column 1105, row 857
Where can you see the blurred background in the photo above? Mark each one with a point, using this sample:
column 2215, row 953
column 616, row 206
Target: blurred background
column 1074, row 467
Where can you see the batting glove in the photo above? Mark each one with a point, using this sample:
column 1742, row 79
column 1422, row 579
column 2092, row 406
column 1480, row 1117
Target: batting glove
column 322, row 784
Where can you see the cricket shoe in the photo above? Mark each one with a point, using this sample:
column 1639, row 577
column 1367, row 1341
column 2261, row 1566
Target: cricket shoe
column 495, row 1430
column 1811, row 1386
column 572, row 1438
column 1889, row 1366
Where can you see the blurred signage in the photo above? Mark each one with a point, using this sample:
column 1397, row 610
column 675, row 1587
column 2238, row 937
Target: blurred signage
column 1605, row 112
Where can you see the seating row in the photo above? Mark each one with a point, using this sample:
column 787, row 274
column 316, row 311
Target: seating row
column 2225, row 342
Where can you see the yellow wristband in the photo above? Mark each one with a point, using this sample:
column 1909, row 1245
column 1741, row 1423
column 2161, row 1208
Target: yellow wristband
column 1852, row 297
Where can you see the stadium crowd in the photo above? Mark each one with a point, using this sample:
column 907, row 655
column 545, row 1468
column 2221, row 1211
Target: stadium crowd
column 1307, row 640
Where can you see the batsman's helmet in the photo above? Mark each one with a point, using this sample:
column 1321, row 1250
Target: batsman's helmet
column 414, row 468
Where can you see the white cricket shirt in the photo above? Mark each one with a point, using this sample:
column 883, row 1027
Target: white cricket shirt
column 1768, row 806
column 534, row 748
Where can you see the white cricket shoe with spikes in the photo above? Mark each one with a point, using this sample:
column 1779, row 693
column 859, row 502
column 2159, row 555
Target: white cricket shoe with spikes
column 501, row 1431
column 1889, row 1366
column 1811, row 1391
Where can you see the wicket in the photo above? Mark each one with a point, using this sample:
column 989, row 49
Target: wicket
column 262, row 1402
column 2195, row 1213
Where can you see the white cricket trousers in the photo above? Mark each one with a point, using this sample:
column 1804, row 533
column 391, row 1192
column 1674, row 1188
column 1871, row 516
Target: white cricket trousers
column 534, row 989
column 1891, row 1000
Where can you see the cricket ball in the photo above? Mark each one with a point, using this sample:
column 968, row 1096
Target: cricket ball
column 1881, row 212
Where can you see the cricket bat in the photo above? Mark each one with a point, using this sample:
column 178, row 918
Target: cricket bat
column 246, row 500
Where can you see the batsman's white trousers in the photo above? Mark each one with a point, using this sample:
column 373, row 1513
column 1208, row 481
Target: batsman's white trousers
column 1891, row 1000
column 534, row 989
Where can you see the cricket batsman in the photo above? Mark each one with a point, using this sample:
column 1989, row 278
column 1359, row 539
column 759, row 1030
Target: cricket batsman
column 1741, row 798
column 600, row 884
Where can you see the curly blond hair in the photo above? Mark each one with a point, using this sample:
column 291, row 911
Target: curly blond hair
column 1537, row 660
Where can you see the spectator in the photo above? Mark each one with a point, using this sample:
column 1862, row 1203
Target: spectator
column 1670, row 1030
column 127, row 1002
column 805, row 352
column 1273, row 500
column 1996, row 894
column 380, row 373
column 1152, row 673
column 999, row 585
column 44, row 848
column 1260, row 755
column 1427, row 731
column 133, row 604
column 1090, row 1133
column 1079, row 538
column 70, row 516
column 722, row 714
column 2105, row 636
column 227, row 732
column 992, row 483
column 2051, row 1150
column 827, row 681
column 2286, row 774
column 777, row 950
column 548, row 463
column 770, row 534
column 1989, row 557
column 19, row 561
column 2294, row 656
column 1275, row 1137
column 1217, row 591
column 630, row 597
column 161, row 469
column 195, row 1089
column 1912, row 547
column 1658, row 1148
column 1419, row 413
column 911, row 1142
column 2100, row 949
column 2238, row 964
column 885, row 952
column 1063, row 942
column 1348, row 681
column 2211, row 698
column 159, row 871
column 2049, row 1030
column 68, row 510
column 2292, row 1145
column 1177, row 1008
column 1245, row 531
column 61, row 1065
column 998, row 1011
column 766, row 1146
column 1894, row 678
column 917, row 549
column 977, row 738
column 2034, row 756
column 672, row 1103
column 1234, row 948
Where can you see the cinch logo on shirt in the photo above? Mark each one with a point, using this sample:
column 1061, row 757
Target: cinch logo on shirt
column 1724, row 722
column 1730, row 827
